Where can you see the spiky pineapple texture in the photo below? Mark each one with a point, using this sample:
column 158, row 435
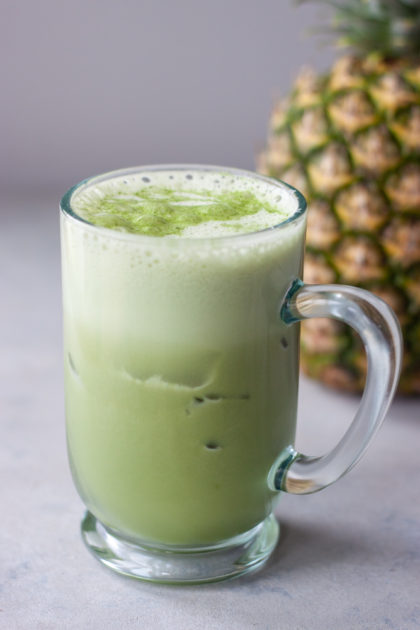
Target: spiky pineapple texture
column 350, row 141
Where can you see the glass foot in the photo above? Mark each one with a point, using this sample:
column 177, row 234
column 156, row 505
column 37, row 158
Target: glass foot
column 177, row 565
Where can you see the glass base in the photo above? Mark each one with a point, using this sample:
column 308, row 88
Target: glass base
column 177, row 565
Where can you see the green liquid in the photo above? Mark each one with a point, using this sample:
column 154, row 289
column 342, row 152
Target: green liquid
column 181, row 379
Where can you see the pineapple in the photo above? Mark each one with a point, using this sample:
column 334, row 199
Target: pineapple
column 350, row 141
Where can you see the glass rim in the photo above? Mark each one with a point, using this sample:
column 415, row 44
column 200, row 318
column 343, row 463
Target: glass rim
column 67, row 210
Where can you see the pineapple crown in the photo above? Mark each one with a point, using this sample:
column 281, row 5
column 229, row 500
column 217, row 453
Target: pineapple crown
column 388, row 27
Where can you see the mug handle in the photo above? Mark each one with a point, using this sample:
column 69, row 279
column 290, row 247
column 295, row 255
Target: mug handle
column 381, row 336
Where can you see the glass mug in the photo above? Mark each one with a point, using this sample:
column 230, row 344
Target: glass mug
column 181, row 378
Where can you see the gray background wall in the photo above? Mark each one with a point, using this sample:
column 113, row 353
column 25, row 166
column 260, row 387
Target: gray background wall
column 92, row 85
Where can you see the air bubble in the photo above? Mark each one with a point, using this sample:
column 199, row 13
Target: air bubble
column 213, row 446
column 213, row 396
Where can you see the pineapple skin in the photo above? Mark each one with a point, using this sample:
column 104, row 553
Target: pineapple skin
column 350, row 142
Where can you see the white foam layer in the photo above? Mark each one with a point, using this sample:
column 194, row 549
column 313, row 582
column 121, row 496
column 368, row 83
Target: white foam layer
column 258, row 221
column 279, row 197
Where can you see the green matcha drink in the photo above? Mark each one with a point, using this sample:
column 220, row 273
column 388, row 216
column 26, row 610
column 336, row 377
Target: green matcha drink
column 180, row 376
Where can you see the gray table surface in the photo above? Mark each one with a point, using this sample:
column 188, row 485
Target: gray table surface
column 349, row 557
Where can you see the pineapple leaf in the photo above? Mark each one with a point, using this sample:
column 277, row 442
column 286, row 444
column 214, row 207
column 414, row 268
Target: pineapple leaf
column 390, row 27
